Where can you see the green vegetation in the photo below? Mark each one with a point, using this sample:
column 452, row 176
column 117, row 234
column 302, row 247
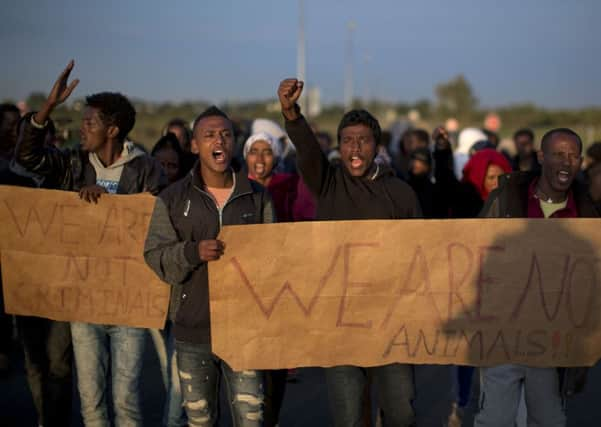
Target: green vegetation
column 454, row 98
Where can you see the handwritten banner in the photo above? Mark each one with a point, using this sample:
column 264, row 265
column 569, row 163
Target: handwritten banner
column 66, row 259
column 368, row 293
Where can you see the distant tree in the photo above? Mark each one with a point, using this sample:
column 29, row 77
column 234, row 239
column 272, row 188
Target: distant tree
column 424, row 106
column 456, row 98
column 36, row 100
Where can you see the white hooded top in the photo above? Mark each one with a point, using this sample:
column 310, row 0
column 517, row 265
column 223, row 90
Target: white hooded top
column 467, row 138
column 109, row 176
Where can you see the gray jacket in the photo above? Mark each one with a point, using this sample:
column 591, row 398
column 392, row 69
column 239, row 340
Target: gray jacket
column 185, row 214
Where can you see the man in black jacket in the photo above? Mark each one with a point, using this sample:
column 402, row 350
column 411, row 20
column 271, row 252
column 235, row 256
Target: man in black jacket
column 181, row 241
column 105, row 162
column 553, row 194
column 357, row 189
column 526, row 157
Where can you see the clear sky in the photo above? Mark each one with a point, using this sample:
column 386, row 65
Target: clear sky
column 544, row 51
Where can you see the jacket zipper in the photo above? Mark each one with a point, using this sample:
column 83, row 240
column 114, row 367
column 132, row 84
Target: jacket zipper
column 220, row 209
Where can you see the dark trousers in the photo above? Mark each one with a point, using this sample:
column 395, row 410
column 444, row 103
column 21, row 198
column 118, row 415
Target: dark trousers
column 275, row 386
column 394, row 387
column 48, row 362
column 6, row 325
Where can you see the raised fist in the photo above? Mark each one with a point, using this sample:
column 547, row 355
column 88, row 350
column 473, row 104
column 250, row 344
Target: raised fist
column 441, row 139
column 288, row 93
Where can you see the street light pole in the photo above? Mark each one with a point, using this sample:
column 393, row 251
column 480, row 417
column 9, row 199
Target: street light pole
column 300, row 59
column 348, row 84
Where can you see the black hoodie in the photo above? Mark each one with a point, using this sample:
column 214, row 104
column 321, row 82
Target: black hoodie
column 341, row 196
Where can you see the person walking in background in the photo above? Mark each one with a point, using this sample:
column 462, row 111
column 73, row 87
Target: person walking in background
column 292, row 200
column 46, row 343
column 526, row 159
column 181, row 130
column 169, row 153
column 465, row 200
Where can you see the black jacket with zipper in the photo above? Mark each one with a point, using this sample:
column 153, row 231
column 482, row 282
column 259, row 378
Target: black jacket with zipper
column 185, row 214
column 341, row 196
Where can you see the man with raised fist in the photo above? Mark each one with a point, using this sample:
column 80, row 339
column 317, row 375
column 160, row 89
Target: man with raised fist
column 357, row 189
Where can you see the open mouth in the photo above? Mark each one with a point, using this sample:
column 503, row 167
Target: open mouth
column 356, row 162
column 563, row 177
column 219, row 156
column 259, row 168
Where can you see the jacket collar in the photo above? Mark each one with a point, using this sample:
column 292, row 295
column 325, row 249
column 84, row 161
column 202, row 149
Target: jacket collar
column 376, row 171
column 535, row 211
column 241, row 182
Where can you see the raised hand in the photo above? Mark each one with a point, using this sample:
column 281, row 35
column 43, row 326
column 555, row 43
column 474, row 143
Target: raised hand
column 440, row 136
column 288, row 92
column 61, row 90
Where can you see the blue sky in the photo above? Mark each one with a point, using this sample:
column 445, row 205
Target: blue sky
column 544, row 51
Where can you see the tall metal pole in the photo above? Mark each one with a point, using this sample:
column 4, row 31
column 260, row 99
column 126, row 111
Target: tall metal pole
column 300, row 55
column 348, row 83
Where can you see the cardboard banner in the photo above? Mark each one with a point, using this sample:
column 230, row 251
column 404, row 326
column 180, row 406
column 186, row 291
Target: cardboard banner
column 369, row 293
column 66, row 259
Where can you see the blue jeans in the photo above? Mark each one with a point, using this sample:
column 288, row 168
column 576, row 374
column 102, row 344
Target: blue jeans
column 164, row 342
column 501, row 388
column 99, row 349
column 200, row 372
column 394, row 387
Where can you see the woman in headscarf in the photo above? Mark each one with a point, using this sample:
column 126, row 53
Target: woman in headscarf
column 292, row 200
column 483, row 169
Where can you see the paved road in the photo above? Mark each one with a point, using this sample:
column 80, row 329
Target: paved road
column 305, row 403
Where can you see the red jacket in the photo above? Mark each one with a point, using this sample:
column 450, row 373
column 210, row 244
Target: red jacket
column 291, row 198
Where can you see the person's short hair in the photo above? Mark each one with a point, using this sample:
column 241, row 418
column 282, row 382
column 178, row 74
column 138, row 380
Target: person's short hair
column 360, row 117
column 168, row 141
column 420, row 135
column 594, row 152
column 115, row 110
column 564, row 131
column 210, row 112
column 176, row 122
column 524, row 132
column 594, row 170
column 8, row 108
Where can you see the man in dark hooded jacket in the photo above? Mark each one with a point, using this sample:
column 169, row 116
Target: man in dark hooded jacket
column 357, row 189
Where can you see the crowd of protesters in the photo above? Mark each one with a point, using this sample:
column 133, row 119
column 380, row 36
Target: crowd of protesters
column 205, row 177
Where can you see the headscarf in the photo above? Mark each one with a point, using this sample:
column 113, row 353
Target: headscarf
column 262, row 136
column 476, row 168
column 467, row 138
column 276, row 131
